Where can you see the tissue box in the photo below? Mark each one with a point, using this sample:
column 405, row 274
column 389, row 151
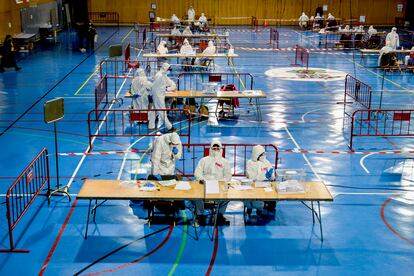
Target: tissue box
column 290, row 181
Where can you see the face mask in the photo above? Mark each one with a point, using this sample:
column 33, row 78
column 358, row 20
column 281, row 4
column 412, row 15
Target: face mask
column 215, row 153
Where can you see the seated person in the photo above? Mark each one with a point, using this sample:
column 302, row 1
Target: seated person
column 371, row 31
column 303, row 21
column 175, row 21
column 175, row 31
column 387, row 57
column 210, row 50
column 409, row 59
column 374, row 40
column 187, row 50
column 203, row 20
column 258, row 168
column 213, row 167
column 162, row 50
column 187, row 31
column 346, row 37
column 359, row 36
column 167, row 149
column 317, row 22
column 331, row 24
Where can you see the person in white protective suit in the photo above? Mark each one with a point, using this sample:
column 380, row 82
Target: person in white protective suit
column 202, row 20
column 187, row 50
column 187, row 31
column 386, row 55
column 213, row 167
column 393, row 38
column 371, row 31
column 167, row 149
column 330, row 17
column 175, row 31
column 140, row 88
column 409, row 59
column 175, row 20
column 161, row 84
column 258, row 168
column 210, row 50
column 191, row 13
column 303, row 20
column 162, row 48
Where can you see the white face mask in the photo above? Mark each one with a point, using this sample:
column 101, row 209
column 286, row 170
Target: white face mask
column 215, row 153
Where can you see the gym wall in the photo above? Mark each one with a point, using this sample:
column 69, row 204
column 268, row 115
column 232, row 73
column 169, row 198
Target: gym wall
column 378, row 12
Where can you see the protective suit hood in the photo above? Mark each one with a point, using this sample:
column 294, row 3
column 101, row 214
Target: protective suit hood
column 257, row 151
column 215, row 142
column 173, row 138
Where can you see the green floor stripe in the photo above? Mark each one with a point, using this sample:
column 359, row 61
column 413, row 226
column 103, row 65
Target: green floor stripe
column 183, row 242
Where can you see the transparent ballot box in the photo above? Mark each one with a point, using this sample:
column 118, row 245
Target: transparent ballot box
column 290, row 181
column 210, row 87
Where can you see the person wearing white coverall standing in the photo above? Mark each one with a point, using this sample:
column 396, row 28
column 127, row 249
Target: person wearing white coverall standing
column 167, row 149
column 140, row 88
column 161, row 84
column 213, row 167
column 393, row 38
column 258, row 168
column 191, row 13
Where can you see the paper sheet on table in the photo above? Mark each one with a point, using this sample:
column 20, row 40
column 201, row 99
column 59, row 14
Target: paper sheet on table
column 243, row 188
column 129, row 184
column 268, row 189
column 212, row 187
column 183, row 185
column 262, row 184
column 167, row 183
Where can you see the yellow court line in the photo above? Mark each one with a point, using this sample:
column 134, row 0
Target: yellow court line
column 125, row 37
column 235, row 71
column 87, row 80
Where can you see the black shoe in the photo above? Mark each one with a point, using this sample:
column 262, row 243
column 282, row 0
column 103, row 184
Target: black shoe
column 249, row 211
column 201, row 220
column 221, row 220
column 18, row 68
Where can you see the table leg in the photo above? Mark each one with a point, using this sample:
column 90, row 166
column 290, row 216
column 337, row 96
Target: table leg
column 320, row 220
column 194, row 223
column 215, row 221
column 313, row 213
column 87, row 220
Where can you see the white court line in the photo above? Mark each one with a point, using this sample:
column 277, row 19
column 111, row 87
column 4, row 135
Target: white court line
column 303, row 155
column 369, row 194
column 361, row 162
column 303, row 116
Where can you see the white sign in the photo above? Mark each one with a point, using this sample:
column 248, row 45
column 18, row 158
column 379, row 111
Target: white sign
column 362, row 18
column 400, row 7
column 325, row 7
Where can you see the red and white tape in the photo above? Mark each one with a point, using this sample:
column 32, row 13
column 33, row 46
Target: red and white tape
column 336, row 152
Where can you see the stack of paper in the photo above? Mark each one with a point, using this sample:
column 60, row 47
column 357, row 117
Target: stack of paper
column 129, row 184
column 183, row 185
column 243, row 188
column 167, row 183
column 212, row 187
column 262, row 184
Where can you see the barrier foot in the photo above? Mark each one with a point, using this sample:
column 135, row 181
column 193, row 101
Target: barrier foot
column 61, row 191
column 14, row 251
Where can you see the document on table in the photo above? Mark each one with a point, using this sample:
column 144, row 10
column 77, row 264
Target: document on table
column 183, row 185
column 262, row 184
column 212, row 187
column 167, row 183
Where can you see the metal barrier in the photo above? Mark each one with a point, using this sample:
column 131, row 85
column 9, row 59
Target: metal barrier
column 302, row 56
column 381, row 122
column 274, row 38
column 236, row 154
column 118, row 68
column 359, row 91
column 101, row 94
column 132, row 123
column 194, row 80
column 104, row 18
column 24, row 191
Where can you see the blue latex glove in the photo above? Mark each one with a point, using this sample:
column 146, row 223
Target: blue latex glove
column 158, row 177
column 269, row 173
column 136, row 96
column 174, row 150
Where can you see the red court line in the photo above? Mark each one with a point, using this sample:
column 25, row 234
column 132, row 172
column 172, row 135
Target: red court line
column 62, row 229
column 213, row 258
column 136, row 260
column 389, row 226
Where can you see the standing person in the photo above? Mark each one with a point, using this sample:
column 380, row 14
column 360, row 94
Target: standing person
column 92, row 36
column 258, row 169
column 161, row 84
column 9, row 54
column 82, row 30
column 213, row 167
column 167, row 149
column 191, row 13
column 393, row 38
column 140, row 88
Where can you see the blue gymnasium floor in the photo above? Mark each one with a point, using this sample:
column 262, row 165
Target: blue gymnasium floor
column 368, row 229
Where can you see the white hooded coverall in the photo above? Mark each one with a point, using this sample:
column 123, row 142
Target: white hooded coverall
column 140, row 88
column 162, row 158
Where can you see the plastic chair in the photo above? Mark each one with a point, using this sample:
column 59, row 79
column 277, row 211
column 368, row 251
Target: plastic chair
column 227, row 105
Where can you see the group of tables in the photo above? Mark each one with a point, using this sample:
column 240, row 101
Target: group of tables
column 95, row 190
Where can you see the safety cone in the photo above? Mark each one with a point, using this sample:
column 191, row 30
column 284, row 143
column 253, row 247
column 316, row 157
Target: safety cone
column 265, row 24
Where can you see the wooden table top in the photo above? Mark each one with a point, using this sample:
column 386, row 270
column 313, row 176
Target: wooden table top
column 155, row 55
column 119, row 189
column 219, row 94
